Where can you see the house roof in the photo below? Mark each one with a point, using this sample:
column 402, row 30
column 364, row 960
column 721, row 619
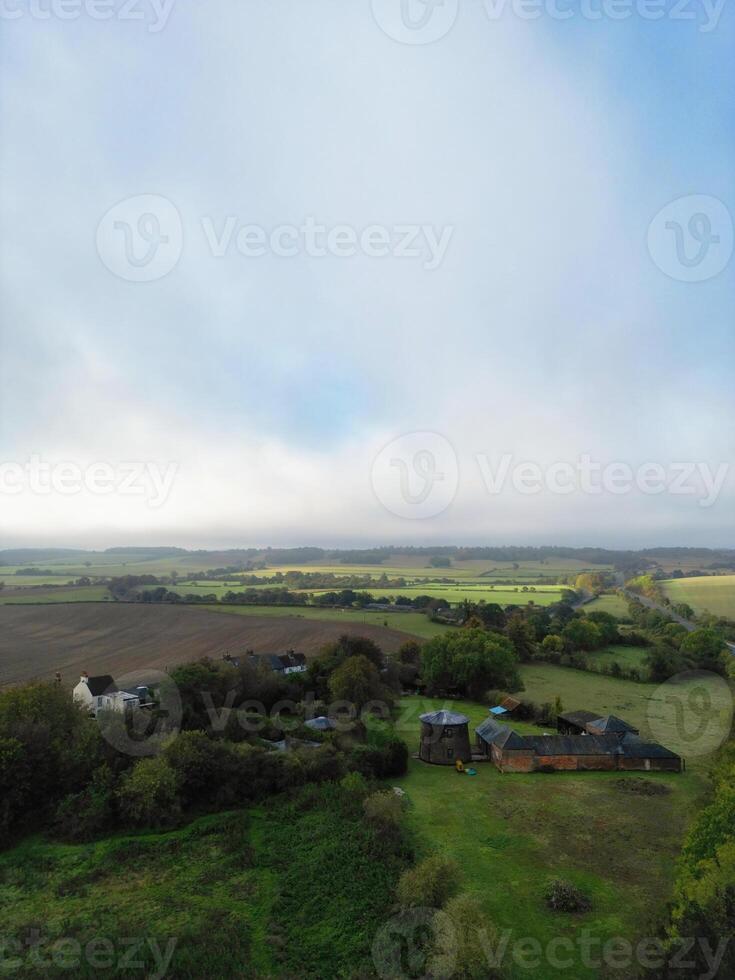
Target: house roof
column 611, row 724
column 579, row 718
column 444, row 718
column 101, row 684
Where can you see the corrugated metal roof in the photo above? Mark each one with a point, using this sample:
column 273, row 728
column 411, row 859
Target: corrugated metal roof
column 574, row 744
column 611, row 723
column 635, row 747
column 579, row 718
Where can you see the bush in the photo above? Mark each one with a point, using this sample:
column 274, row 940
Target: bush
column 472, row 933
column 149, row 794
column 563, row 896
column 384, row 810
column 83, row 816
column 431, row 882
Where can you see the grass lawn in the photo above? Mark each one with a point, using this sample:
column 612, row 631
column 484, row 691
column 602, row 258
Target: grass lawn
column 513, row 833
column 414, row 623
column 715, row 593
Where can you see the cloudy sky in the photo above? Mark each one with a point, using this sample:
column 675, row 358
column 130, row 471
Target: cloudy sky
column 288, row 273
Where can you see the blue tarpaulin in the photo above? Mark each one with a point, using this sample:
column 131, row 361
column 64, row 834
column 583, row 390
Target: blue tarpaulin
column 498, row 710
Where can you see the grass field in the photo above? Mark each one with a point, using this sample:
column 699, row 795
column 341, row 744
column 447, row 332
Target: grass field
column 616, row 605
column 625, row 656
column 512, row 834
column 715, row 593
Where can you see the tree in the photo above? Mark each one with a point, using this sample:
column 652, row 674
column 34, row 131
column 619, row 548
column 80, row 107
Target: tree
column 356, row 680
column 522, row 635
column 472, row 661
column 705, row 649
column 431, row 882
column 149, row 794
column 581, row 634
column 553, row 644
column 607, row 625
column 663, row 662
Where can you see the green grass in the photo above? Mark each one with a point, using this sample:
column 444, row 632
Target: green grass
column 512, row 834
column 614, row 604
column 416, row 623
column 715, row 594
column 83, row 593
column 625, row 656
column 295, row 887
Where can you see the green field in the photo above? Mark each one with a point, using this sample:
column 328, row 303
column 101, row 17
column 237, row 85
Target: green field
column 410, row 622
column 513, row 833
column 713, row 593
column 616, row 605
column 625, row 656
column 84, row 593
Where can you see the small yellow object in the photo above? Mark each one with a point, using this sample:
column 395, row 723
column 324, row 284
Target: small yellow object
column 459, row 765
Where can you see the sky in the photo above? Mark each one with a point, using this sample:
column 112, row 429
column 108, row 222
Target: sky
column 363, row 273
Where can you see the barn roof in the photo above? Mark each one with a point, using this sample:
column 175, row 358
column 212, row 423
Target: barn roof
column 489, row 730
column 511, row 740
column 510, row 703
column 637, row 748
column 611, row 724
column 574, row 744
column 444, row 717
column 579, row 718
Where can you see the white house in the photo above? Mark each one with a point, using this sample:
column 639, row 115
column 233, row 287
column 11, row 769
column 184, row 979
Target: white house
column 101, row 693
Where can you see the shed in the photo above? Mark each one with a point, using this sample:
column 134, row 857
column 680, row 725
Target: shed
column 444, row 738
column 610, row 725
column 575, row 722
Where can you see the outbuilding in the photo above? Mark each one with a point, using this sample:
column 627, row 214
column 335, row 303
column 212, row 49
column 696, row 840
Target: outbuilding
column 444, row 738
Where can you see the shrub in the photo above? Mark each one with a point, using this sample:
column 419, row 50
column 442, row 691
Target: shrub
column 149, row 794
column 472, row 934
column 431, row 882
column 385, row 810
column 82, row 816
column 563, row 896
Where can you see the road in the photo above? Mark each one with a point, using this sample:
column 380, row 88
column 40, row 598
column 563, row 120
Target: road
column 686, row 623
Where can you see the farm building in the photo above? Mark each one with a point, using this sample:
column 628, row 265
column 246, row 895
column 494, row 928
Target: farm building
column 575, row 722
column 612, row 750
column 444, row 738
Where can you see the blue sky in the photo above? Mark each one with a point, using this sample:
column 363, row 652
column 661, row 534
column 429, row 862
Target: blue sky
column 546, row 332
